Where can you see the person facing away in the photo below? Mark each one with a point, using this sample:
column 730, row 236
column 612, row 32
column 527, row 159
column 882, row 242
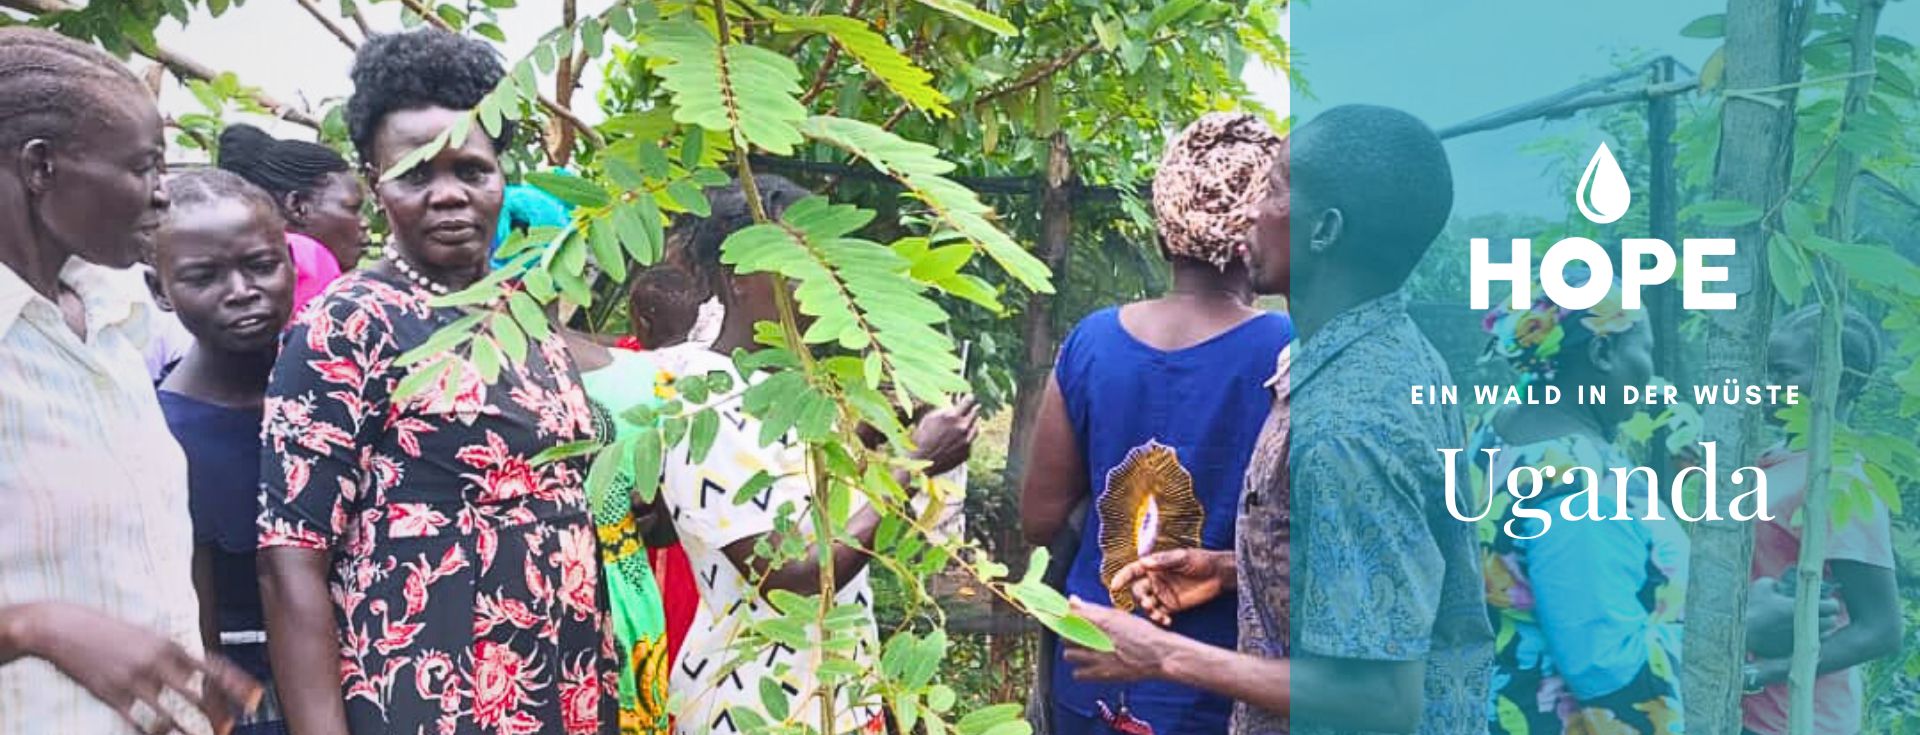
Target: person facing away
column 1389, row 629
column 1152, row 412
column 617, row 380
column 317, row 194
column 1859, row 557
column 98, row 629
column 1588, row 613
column 225, row 270
column 721, row 533
column 421, row 572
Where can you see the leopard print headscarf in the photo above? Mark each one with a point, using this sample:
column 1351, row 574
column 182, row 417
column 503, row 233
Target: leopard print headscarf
column 1211, row 177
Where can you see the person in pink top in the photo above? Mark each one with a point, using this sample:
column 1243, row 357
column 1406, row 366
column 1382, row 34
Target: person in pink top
column 318, row 196
column 1859, row 556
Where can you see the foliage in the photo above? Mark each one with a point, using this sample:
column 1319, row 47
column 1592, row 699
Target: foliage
column 915, row 92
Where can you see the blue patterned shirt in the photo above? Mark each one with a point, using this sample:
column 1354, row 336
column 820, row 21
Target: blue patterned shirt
column 1381, row 571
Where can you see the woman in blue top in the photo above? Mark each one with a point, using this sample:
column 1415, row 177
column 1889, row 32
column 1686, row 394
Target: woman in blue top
column 225, row 269
column 1151, row 416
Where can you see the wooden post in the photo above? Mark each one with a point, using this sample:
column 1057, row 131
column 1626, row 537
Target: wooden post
column 1664, row 224
column 1753, row 166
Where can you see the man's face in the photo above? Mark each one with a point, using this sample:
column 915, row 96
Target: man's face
column 1270, row 244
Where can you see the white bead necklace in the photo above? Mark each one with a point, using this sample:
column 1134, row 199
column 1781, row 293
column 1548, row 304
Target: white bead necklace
column 406, row 269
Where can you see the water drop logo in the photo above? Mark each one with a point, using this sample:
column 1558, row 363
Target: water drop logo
column 1603, row 194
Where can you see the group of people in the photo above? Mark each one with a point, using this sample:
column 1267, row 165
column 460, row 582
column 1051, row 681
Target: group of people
column 362, row 562
column 254, row 534
column 1179, row 435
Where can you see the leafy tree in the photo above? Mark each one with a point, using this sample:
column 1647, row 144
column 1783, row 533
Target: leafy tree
column 897, row 102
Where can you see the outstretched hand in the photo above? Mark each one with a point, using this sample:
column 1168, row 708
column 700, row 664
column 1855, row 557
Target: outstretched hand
column 135, row 670
column 944, row 437
column 1169, row 582
column 1140, row 649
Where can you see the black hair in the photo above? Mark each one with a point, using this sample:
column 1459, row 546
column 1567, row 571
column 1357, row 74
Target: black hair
column 1860, row 345
column 426, row 67
column 51, row 85
column 732, row 214
column 200, row 186
column 1388, row 175
column 281, row 167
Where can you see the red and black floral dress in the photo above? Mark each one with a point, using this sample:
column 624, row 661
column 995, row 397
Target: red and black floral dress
column 465, row 577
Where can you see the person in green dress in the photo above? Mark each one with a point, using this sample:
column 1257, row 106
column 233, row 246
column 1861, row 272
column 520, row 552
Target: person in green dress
column 617, row 380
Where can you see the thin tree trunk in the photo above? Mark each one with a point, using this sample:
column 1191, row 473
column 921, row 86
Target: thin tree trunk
column 1817, row 506
column 1036, row 329
column 1663, row 222
column 1753, row 166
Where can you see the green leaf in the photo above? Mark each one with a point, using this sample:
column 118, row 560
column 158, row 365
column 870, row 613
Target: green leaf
column 592, row 37
column 512, row 341
column 1788, row 268
column 1082, row 633
column 1706, row 26
column 416, row 156
column 981, row 720
column 745, row 91
column 531, row 317
column 706, row 424
column 606, row 467
column 568, row 450
column 653, row 161
column 689, row 197
column 967, row 12
column 642, row 230
column 421, row 377
column 941, row 698
column 1722, row 213
column 444, row 340
column 570, row 189
column 920, row 168
column 873, row 51
column 692, row 147
column 491, row 32
column 486, row 359
column 647, row 456
column 773, row 698
column 606, row 249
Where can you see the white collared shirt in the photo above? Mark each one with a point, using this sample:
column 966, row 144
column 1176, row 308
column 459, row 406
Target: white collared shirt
column 93, row 488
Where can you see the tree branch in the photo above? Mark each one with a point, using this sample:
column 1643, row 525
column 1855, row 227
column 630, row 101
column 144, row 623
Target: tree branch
column 313, row 9
column 553, row 108
column 181, row 66
column 360, row 21
column 1039, row 74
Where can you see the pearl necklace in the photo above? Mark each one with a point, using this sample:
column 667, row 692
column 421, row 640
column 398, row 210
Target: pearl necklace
column 406, row 269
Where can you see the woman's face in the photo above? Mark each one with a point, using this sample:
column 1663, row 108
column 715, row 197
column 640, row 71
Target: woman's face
column 227, row 273
column 330, row 213
column 1270, row 244
column 442, row 211
column 97, row 194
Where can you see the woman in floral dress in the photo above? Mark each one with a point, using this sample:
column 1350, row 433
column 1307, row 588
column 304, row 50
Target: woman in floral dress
column 421, row 572
column 1587, row 614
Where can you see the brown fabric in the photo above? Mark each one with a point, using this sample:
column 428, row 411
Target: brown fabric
column 1211, row 177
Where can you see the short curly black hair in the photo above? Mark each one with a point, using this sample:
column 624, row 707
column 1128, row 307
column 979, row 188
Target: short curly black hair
column 426, row 67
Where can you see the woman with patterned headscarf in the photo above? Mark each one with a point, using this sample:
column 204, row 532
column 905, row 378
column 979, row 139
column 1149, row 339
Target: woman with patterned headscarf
column 1151, row 416
column 1587, row 613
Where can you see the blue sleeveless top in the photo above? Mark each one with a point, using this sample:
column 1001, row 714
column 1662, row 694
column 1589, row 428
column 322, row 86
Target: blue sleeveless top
column 1166, row 437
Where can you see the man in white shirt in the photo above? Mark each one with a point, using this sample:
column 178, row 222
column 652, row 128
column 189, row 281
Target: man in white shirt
column 98, row 622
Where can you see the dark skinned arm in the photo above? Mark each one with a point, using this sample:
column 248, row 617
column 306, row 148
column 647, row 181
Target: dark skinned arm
column 209, row 599
column 943, row 438
column 302, row 642
column 1056, row 475
column 1375, row 696
column 124, row 665
column 1873, row 630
